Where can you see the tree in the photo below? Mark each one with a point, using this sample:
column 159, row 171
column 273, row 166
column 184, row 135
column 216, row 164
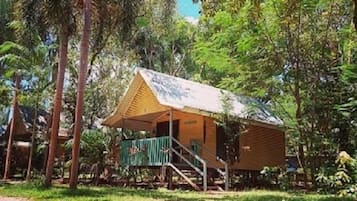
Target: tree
column 12, row 130
column 95, row 145
column 6, row 33
column 43, row 16
column 61, row 14
column 290, row 55
column 34, row 63
column 162, row 40
column 233, row 128
column 126, row 13
column 82, row 77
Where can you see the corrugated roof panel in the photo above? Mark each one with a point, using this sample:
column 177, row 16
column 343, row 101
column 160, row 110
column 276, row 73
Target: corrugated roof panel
column 180, row 93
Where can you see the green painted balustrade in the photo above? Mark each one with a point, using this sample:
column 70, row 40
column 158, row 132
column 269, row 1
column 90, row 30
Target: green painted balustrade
column 145, row 152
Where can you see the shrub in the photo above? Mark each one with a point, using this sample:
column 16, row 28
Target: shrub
column 341, row 179
column 275, row 176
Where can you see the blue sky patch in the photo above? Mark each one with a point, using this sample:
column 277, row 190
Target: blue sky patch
column 188, row 9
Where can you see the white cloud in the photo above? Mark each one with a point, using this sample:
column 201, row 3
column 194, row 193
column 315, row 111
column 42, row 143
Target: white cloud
column 191, row 20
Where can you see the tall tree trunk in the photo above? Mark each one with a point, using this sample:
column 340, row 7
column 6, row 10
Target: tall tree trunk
column 80, row 92
column 57, row 103
column 355, row 14
column 297, row 95
column 12, row 129
column 29, row 165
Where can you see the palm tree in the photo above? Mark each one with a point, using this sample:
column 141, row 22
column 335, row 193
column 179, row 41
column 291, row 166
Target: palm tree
column 34, row 62
column 57, row 13
column 109, row 16
column 64, row 36
column 84, row 51
column 8, row 61
column 43, row 16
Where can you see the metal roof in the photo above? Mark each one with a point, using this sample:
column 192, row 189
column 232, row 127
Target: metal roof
column 184, row 94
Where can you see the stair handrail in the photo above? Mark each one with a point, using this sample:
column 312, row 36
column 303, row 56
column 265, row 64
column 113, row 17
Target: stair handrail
column 211, row 154
column 184, row 176
column 198, row 158
column 225, row 164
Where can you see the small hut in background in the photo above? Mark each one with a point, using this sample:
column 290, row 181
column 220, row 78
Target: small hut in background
column 24, row 128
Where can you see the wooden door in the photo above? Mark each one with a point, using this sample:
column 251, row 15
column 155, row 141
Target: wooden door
column 163, row 129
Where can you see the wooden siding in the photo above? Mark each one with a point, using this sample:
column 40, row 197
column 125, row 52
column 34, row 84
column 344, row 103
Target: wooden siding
column 261, row 147
column 191, row 129
column 144, row 102
column 210, row 144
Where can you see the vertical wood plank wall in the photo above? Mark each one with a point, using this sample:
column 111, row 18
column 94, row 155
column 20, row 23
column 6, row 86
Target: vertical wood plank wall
column 259, row 146
column 144, row 102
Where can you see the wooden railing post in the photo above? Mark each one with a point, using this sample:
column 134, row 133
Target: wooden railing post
column 224, row 173
column 204, row 177
column 226, row 177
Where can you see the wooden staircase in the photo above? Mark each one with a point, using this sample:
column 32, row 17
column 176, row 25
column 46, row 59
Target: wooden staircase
column 181, row 160
column 193, row 169
column 184, row 177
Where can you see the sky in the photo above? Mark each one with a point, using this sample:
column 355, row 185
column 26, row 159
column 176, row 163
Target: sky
column 188, row 10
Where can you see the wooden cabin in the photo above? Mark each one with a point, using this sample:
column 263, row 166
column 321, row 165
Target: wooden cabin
column 24, row 119
column 180, row 118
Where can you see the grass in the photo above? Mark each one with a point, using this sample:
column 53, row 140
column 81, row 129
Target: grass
column 129, row 194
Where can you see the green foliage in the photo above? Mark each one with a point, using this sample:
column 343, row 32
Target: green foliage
column 106, row 82
column 349, row 77
column 162, row 42
column 298, row 56
column 270, row 174
column 33, row 64
column 276, row 176
column 6, row 9
column 94, row 146
column 343, row 179
column 233, row 128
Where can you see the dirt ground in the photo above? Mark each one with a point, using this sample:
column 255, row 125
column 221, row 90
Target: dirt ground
column 12, row 199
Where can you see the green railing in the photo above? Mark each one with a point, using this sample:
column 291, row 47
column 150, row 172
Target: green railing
column 145, row 152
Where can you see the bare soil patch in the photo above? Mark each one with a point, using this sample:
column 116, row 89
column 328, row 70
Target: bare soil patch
column 12, row 199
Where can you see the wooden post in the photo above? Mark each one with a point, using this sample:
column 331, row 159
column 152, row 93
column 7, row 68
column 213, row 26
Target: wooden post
column 226, row 177
column 12, row 129
column 170, row 134
column 204, row 177
column 170, row 152
column 169, row 177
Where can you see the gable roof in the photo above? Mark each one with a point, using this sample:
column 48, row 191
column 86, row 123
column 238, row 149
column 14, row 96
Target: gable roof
column 186, row 95
column 24, row 120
